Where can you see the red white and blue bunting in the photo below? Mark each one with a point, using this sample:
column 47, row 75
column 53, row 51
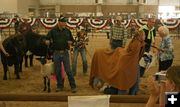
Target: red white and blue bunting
column 97, row 23
column 49, row 22
column 74, row 22
column 93, row 22
column 171, row 24
column 5, row 23
column 140, row 22
column 31, row 21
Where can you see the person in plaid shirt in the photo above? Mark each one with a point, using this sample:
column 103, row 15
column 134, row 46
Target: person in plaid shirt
column 118, row 36
column 80, row 42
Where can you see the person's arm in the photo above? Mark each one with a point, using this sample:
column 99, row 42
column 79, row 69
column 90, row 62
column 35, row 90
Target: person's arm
column 3, row 50
column 70, row 38
column 49, row 38
column 162, row 94
column 111, row 32
column 154, row 89
column 125, row 36
column 154, row 97
column 154, row 41
column 152, row 101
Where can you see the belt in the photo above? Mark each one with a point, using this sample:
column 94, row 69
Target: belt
column 60, row 51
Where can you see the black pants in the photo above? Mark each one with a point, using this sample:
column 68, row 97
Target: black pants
column 164, row 65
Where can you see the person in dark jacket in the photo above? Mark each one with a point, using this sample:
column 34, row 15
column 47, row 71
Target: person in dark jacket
column 60, row 38
column 150, row 33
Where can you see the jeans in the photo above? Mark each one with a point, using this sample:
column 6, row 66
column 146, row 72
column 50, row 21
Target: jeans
column 84, row 60
column 164, row 65
column 134, row 89
column 116, row 43
column 63, row 57
column 122, row 92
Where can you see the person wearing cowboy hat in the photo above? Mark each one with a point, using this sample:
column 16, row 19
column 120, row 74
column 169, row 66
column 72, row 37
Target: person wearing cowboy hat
column 60, row 38
column 118, row 34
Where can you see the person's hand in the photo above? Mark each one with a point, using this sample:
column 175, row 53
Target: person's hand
column 7, row 54
column 71, row 49
column 162, row 50
column 47, row 42
column 70, row 42
column 162, row 93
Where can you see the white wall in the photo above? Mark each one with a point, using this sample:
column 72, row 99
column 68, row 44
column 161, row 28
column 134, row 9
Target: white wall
column 48, row 2
column 152, row 2
column 91, row 2
column 116, row 2
column 18, row 6
column 67, row 2
column 24, row 5
column 8, row 6
column 169, row 2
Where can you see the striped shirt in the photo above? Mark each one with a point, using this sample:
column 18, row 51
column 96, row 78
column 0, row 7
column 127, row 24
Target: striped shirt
column 119, row 33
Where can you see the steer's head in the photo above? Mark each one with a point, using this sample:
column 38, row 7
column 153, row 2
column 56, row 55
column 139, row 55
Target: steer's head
column 19, row 44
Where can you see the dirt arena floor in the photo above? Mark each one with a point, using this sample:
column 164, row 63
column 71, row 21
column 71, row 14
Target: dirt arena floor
column 32, row 82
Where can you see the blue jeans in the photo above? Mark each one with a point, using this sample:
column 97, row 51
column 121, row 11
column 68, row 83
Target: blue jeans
column 63, row 57
column 84, row 60
column 135, row 88
column 116, row 43
column 122, row 92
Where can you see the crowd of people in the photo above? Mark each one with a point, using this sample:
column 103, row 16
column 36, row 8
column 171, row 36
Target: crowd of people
column 60, row 40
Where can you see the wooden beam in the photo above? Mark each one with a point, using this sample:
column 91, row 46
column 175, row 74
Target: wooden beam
column 64, row 98
column 129, row 98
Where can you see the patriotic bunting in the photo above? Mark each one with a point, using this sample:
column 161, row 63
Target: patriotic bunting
column 31, row 21
column 4, row 23
column 74, row 22
column 171, row 24
column 140, row 22
column 48, row 22
column 96, row 23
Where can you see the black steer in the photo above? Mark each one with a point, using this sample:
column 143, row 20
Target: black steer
column 36, row 44
column 14, row 45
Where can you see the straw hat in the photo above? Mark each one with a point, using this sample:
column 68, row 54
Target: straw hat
column 118, row 18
